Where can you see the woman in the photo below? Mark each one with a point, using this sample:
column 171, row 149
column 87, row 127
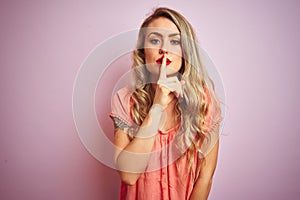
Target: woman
column 167, row 126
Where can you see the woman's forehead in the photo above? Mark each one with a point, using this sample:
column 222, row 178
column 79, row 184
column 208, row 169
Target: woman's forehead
column 162, row 25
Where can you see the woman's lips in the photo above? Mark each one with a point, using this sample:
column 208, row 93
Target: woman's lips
column 159, row 61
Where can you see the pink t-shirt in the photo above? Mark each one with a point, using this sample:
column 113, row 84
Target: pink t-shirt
column 164, row 178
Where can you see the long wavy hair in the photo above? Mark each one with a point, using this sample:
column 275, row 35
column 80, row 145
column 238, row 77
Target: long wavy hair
column 193, row 108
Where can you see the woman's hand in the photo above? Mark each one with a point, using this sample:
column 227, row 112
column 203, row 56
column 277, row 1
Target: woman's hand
column 166, row 86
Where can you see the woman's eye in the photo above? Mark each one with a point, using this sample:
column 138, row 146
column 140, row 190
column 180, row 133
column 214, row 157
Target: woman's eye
column 175, row 42
column 154, row 41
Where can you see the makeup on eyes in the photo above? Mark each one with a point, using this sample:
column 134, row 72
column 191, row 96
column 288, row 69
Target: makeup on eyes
column 174, row 40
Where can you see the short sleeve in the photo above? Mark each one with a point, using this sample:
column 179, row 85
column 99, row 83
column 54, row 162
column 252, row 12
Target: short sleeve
column 120, row 108
column 214, row 116
column 212, row 121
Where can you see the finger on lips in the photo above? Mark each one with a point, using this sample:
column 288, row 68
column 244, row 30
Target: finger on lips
column 163, row 73
column 172, row 83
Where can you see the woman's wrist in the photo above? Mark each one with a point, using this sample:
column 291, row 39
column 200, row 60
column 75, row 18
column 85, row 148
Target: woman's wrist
column 152, row 123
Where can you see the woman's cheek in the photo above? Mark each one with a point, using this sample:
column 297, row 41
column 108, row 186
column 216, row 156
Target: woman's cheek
column 177, row 64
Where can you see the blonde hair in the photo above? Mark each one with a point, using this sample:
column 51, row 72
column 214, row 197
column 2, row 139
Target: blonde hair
column 198, row 85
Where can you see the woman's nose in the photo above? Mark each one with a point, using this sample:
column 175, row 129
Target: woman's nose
column 163, row 51
column 163, row 48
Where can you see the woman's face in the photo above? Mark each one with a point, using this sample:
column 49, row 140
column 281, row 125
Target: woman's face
column 162, row 38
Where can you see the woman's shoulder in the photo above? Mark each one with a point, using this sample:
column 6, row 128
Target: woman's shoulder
column 120, row 104
column 125, row 91
column 123, row 95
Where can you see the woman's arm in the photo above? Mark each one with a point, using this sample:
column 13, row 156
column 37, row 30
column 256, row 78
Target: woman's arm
column 207, row 168
column 132, row 157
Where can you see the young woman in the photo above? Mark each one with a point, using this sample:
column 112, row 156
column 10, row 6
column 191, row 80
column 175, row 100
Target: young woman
column 167, row 126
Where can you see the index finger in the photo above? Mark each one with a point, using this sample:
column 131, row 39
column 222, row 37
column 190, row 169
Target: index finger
column 163, row 69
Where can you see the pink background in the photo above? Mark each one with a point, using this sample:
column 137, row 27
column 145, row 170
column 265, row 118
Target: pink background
column 254, row 44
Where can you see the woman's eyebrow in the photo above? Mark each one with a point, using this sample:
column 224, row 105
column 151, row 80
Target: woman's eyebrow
column 155, row 33
column 174, row 34
column 160, row 35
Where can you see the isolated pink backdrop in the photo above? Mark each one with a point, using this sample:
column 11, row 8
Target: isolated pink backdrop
column 254, row 44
